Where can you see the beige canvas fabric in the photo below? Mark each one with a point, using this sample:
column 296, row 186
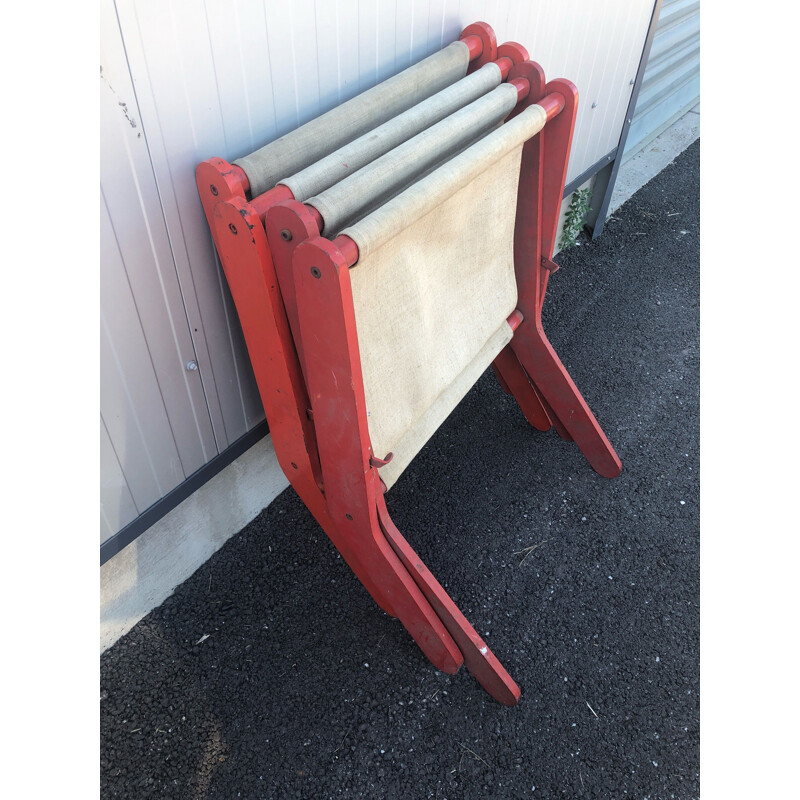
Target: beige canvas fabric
column 379, row 180
column 422, row 197
column 431, row 303
column 346, row 122
column 346, row 160
column 429, row 421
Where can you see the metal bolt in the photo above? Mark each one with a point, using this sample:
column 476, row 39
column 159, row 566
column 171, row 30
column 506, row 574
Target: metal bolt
column 233, row 229
column 628, row 121
column 214, row 190
column 191, row 366
column 294, row 466
column 316, row 272
column 286, row 235
column 633, row 80
column 594, row 105
column 349, row 516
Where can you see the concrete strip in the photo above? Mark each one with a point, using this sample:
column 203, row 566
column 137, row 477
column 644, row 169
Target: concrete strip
column 638, row 170
column 147, row 571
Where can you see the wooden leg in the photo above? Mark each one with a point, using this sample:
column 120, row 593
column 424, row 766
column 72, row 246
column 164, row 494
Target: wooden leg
column 247, row 262
column 515, row 382
column 540, row 361
column 351, row 484
column 479, row 659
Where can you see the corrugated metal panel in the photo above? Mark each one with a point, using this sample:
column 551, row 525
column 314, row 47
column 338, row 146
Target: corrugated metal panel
column 156, row 420
column 223, row 78
column 671, row 82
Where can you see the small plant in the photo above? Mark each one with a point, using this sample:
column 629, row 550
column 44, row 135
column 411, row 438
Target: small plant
column 575, row 217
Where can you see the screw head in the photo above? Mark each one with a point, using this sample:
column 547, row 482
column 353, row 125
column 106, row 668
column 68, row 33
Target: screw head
column 594, row 105
column 286, row 235
column 214, row 190
column 316, row 272
column 233, row 229
column 191, row 366
column 349, row 516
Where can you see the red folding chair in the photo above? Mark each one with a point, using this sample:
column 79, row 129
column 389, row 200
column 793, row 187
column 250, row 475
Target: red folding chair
column 291, row 273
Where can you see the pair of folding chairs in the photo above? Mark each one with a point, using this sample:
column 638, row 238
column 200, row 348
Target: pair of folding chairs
column 381, row 257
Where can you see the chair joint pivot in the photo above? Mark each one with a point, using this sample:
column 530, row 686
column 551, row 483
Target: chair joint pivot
column 549, row 264
column 380, row 462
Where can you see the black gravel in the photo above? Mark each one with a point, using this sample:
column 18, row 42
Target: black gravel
column 304, row 688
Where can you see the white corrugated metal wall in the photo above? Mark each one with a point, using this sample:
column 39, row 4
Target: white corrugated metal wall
column 671, row 84
column 183, row 80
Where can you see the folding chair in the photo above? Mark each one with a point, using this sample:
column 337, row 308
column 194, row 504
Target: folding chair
column 380, row 258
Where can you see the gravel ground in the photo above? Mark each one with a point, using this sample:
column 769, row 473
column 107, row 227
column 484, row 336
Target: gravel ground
column 271, row 673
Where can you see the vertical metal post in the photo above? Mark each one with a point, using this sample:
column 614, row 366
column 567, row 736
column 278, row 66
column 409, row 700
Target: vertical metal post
column 607, row 177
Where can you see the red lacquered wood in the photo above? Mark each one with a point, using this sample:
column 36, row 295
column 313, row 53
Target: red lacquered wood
column 557, row 424
column 319, row 221
column 544, row 164
column 514, row 319
column 513, row 51
column 247, row 262
column 533, row 73
column 217, row 180
column 522, row 86
column 553, row 104
column 509, row 371
column 486, row 34
column 558, row 137
column 515, row 382
column 292, row 292
column 250, row 274
column 264, row 202
column 505, row 65
column 352, row 486
column 288, row 224
column 475, row 45
column 478, row 658
column 348, row 248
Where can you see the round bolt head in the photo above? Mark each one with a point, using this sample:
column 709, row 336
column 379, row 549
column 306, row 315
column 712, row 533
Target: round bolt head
column 191, row 366
column 214, row 190
column 316, row 272
column 233, row 229
column 286, row 235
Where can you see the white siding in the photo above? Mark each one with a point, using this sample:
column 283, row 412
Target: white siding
column 221, row 78
column 154, row 415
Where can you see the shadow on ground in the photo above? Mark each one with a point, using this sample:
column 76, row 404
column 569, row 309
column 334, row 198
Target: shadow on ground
column 271, row 673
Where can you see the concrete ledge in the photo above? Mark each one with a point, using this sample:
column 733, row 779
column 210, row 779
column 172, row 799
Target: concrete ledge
column 649, row 160
column 146, row 572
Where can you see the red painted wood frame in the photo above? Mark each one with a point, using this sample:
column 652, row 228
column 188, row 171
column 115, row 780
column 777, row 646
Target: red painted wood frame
column 290, row 285
column 541, row 184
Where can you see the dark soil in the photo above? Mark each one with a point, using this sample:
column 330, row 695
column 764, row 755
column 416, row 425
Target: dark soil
column 304, row 688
